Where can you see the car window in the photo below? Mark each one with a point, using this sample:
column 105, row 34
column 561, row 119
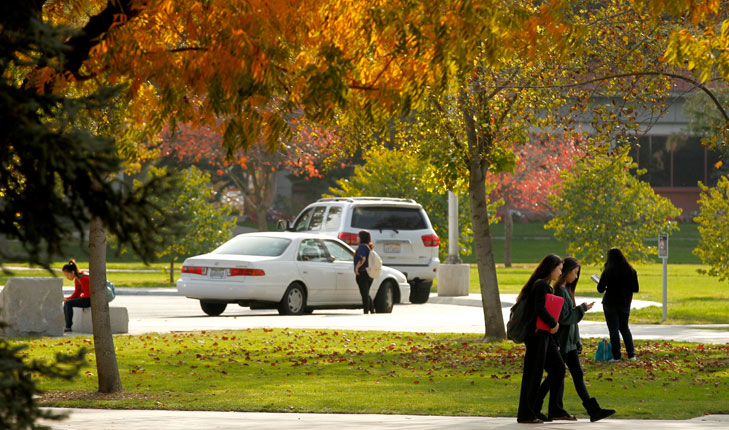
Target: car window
column 254, row 245
column 333, row 218
column 388, row 218
column 316, row 218
column 338, row 251
column 312, row 250
column 303, row 220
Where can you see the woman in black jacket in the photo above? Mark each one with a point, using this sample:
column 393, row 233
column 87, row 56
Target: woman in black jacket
column 542, row 352
column 618, row 281
column 570, row 345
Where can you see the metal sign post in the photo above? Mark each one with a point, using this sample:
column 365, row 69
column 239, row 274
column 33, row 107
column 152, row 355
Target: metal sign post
column 663, row 254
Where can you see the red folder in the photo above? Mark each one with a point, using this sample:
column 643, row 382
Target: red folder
column 554, row 307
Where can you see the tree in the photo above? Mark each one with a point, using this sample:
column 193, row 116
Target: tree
column 713, row 223
column 532, row 182
column 252, row 171
column 18, row 408
column 415, row 180
column 601, row 204
column 206, row 225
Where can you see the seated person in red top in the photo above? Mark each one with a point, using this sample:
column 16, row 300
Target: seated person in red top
column 81, row 297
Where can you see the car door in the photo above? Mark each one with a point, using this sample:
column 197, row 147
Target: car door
column 317, row 271
column 347, row 291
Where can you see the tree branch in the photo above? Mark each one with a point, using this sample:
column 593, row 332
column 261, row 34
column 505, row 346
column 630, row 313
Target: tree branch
column 697, row 84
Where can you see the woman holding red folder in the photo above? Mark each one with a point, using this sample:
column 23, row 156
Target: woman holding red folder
column 542, row 352
column 570, row 345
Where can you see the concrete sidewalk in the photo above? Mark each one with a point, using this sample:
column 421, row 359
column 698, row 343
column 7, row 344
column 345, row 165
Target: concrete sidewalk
column 112, row 419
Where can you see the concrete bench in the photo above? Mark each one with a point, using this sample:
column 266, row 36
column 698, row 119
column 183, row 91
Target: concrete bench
column 118, row 316
column 32, row 307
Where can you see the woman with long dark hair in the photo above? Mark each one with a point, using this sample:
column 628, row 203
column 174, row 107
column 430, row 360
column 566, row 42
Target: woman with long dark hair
column 81, row 297
column 542, row 352
column 568, row 334
column 618, row 281
column 361, row 262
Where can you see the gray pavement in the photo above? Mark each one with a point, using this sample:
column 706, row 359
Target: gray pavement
column 112, row 419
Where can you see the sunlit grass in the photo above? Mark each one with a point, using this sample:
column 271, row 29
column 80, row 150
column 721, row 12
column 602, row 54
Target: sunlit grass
column 372, row 372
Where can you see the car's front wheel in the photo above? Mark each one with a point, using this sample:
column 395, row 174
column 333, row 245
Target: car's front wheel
column 213, row 308
column 385, row 298
column 420, row 291
column 294, row 301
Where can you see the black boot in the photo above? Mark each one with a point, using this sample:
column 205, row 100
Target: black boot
column 595, row 411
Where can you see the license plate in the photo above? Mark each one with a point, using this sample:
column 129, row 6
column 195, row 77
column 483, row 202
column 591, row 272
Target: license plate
column 217, row 273
column 392, row 248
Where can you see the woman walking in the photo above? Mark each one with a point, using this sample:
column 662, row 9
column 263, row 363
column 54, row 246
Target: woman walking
column 568, row 334
column 361, row 262
column 541, row 347
column 81, row 297
column 618, row 281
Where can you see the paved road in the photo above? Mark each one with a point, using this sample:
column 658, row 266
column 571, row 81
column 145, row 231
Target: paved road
column 165, row 311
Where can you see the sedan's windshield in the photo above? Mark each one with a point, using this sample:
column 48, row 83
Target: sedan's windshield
column 254, row 245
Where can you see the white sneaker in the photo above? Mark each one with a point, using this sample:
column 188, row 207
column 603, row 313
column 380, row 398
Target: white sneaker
column 615, row 360
column 632, row 358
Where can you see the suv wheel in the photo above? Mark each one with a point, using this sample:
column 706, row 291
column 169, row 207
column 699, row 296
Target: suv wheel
column 420, row 291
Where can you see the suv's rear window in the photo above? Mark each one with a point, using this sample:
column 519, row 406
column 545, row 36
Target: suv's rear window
column 388, row 218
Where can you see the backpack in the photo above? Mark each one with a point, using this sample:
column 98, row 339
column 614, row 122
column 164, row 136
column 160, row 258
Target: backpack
column 110, row 291
column 374, row 265
column 518, row 325
column 604, row 351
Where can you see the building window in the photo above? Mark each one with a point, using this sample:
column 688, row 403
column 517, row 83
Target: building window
column 675, row 161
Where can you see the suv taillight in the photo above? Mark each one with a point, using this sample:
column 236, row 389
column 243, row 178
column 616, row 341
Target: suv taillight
column 349, row 238
column 246, row 272
column 431, row 240
column 194, row 269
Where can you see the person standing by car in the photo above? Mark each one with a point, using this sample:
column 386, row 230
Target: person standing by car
column 570, row 345
column 618, row 281
column 81, row 297
column 361, row 261
column 542, row 351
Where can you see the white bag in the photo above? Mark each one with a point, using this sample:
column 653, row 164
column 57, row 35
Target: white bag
column 374, row 265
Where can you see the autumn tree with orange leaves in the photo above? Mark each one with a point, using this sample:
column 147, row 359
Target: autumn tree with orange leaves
column 253, row 171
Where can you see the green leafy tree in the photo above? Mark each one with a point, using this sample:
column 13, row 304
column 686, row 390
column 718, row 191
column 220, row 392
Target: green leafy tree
column 602, row 204
column 415, row 179
column 713, row 221
column 18, row 408
column 206, row 224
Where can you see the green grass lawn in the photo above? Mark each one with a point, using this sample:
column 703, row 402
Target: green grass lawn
column 531, row 241
column 331, row 371
column 693, row 298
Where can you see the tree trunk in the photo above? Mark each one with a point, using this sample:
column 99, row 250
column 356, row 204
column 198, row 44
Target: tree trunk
column 106, row 365
column 490, row 300
column 508, row 231
column 172, row 270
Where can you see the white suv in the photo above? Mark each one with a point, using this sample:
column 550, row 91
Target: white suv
column 400, row 229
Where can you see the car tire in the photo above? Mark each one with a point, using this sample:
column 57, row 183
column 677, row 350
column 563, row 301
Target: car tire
column 213, row 308
column 420, row 292
column 293, row 301
column 385, row 298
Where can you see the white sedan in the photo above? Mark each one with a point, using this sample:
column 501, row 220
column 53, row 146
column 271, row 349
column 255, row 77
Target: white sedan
column 292, row 272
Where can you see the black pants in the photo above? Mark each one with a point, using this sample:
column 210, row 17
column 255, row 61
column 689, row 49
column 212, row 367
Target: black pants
column 364, row 282
column 542, row 354
column 572, row 360
column 68, row 306
column 617, row 322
